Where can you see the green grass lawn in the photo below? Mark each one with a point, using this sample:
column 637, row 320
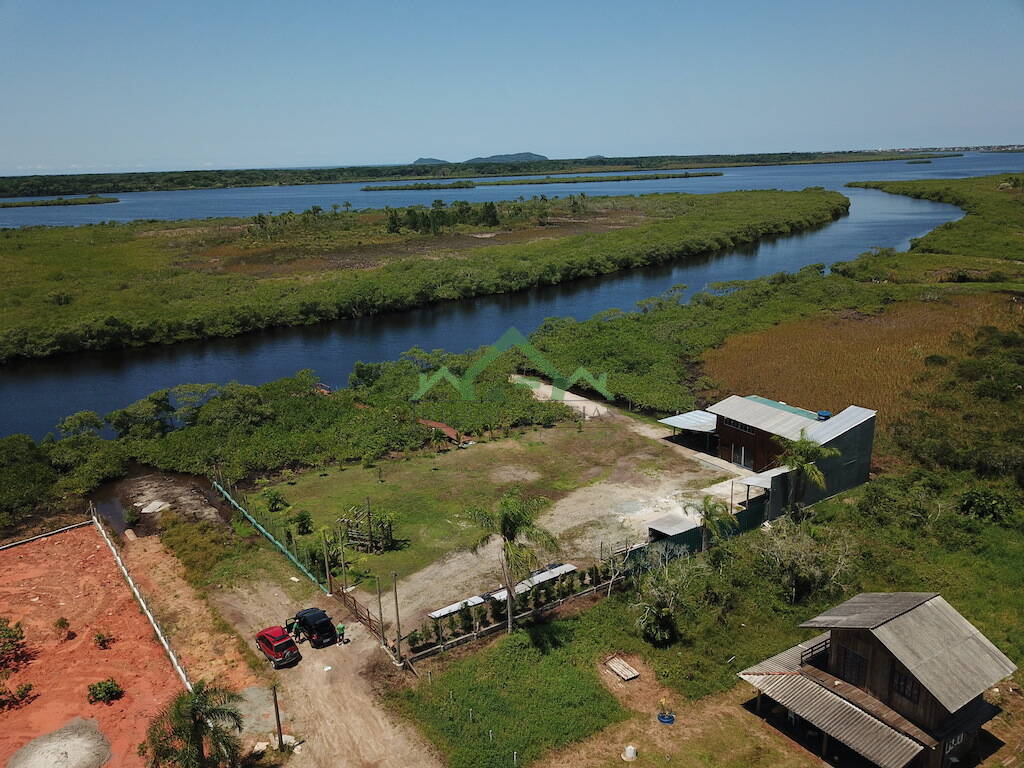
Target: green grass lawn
column 430, row 493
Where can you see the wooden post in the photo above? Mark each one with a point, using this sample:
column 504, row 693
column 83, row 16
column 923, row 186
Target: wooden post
column 824, row 743
column 344, row 569
column 380, row 607
column 398, row 621
column 732, row 486
column 277, row 716
column 327, row 563
column 757, row 707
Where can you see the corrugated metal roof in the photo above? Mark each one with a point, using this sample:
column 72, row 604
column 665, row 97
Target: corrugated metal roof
column 837, row 717
column 763, row 479
column 869, row 610
column 787, row 661
column 783, row 406
column 765, row 417
column 694, row 421
column 553, row 571
column 672, row 524
column 841, row 423
column 440, row 613
column 945, row 652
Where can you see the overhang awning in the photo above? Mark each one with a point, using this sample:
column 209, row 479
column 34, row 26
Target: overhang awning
column 762, row 479
column 440, row 613
column 693, row 421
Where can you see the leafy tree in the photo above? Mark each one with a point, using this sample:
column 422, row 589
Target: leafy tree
column 489, row 215
column 668, row 590
column 147, row 418
column 81, row 423
column 196, row 730
column 805, row 566
column 801, row 456
column 26, row 478
column 715, row 517
column 393, row 221
column 514, row 524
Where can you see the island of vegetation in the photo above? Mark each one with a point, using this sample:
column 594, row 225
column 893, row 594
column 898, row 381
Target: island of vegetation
column 918, row 162
column 118, row 285
column 90, row 200
column 588, row 179
column 932, row 337
column 108, row 183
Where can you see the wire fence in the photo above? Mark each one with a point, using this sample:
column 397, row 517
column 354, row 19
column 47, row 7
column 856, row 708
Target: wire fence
column 300, row 558
column 142, row 602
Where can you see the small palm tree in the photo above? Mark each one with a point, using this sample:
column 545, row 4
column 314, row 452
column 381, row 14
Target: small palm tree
column 715, row 517
column 513, row 522
column 196, row 730
column 802, row 456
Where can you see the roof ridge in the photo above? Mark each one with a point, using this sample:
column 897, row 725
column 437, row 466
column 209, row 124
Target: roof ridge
column 906, row 611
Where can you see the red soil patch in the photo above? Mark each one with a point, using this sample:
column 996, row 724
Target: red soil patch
column 73, row 575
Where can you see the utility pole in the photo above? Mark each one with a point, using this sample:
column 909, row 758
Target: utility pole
column 327, row 563
column 398, row 621
column 277, row 716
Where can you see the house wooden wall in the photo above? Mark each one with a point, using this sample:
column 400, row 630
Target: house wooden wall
column 759, row 445
column 926, row 713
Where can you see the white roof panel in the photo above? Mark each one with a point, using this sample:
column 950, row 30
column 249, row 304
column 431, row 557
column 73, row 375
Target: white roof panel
column 440, row 613
column 671, row 524
column 776, row 421
column 841, row 423
column 694, row 421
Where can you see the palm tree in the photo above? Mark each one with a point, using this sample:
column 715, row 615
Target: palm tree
column 513, row 522
column 195, row 729
column 715, row 517
column 802, row 456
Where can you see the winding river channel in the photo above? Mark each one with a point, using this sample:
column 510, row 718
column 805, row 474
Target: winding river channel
column 35, row 394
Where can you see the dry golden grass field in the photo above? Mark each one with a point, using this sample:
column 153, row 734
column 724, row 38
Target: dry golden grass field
column 868, row 360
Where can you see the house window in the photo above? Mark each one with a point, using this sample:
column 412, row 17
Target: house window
column 853, row 667
column 737, row 425
column 905, row 685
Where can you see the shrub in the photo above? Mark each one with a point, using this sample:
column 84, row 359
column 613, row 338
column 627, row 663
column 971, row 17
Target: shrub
column 63, row 628
column 106, row 691
column 303, row 522
column 12, row 644
column 102, row 640
column 986, row 505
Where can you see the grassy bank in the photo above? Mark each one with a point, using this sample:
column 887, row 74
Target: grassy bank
column 545, row 180
column 90, row 200
column 100, row 183
column 109, row 286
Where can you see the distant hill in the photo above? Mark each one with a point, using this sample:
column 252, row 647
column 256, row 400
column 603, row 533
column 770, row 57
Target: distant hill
column 595, row 157
column 429, row 161
column 518, row 157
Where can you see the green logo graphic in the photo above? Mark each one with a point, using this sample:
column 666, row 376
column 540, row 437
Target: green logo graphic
column 512, row 338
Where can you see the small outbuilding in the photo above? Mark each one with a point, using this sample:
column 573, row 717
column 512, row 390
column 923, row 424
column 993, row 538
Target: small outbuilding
column 897, row 677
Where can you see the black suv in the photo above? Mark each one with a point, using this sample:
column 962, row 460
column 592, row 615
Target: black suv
column 317, row 626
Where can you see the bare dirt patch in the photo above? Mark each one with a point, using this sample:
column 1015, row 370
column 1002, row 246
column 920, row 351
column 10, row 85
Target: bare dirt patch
column 152, row 493
column 327, row 699
column 73, row 575
column 514, row 474
column 206, row 651
column 79, row 744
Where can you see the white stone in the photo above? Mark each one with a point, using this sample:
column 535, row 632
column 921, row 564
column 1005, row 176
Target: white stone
column 260, row 747
column 629, row 753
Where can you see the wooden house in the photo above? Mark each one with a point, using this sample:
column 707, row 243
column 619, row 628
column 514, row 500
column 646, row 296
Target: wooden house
column 896, row 677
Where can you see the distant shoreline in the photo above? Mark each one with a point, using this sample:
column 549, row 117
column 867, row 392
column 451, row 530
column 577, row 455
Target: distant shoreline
column 588, row 179
column 90, row 200
column 163, row 181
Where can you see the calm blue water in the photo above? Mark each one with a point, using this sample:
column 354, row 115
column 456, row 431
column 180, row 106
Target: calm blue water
column 248, row 201
column 34, row 395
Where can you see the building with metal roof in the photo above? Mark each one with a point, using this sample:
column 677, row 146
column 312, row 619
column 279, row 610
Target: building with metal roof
column 898, row 678
column 752, row 431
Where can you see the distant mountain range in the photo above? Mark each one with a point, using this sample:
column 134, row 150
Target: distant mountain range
column 517, row 157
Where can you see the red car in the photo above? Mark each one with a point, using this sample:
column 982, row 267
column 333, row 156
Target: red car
column 278, row 646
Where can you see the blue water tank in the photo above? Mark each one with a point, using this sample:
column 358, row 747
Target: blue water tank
column 824, row 415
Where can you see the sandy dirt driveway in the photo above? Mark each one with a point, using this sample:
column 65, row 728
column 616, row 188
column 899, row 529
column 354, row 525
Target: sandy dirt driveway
column 327, row 700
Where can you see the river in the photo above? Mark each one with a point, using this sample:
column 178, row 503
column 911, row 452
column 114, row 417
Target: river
column 35, row 394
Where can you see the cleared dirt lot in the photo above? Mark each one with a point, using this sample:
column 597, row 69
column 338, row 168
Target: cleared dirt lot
column 327, row 699
column 73, row 574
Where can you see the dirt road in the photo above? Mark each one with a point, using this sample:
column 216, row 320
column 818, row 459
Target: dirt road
column 327, row 700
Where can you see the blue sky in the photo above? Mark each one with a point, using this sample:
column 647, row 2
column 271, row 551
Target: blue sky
column 111, row 85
